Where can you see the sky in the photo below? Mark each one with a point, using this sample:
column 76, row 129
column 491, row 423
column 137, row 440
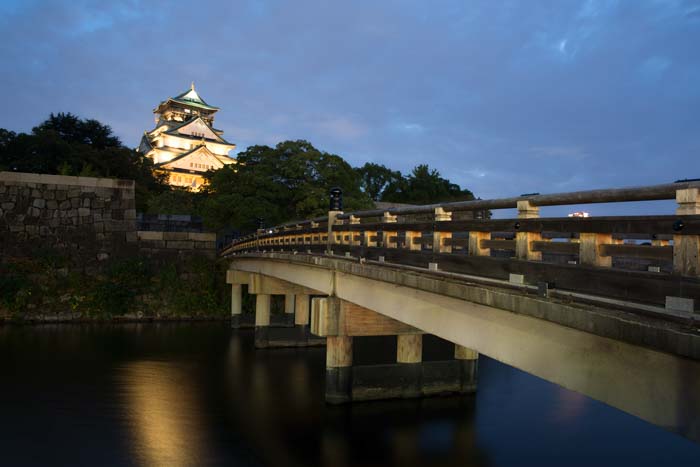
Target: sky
column 501, row 97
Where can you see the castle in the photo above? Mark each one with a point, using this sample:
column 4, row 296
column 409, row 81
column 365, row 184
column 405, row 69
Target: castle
column 184, row 144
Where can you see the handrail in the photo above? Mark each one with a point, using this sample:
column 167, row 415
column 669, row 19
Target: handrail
column 629, row 194
column 587, row 255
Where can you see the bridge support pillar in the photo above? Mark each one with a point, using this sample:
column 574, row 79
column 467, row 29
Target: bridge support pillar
column 262, row 320
column 238, row 319
column 408, row 377
column 338, row 369
column 288, row 318
column 468, row 364
column 236, row 305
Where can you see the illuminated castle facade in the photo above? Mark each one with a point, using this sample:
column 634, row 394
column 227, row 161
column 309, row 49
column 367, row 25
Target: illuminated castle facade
column 184, row 144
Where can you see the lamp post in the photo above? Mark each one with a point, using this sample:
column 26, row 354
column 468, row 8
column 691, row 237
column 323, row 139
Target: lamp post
column 334, row 209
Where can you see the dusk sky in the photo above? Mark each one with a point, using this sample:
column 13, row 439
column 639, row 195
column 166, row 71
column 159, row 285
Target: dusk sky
column 501, row 97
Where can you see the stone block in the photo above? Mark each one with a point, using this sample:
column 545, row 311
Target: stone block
column 202, row 236
column 7, row 206
column 73, row 193
column 518, row 279
column 147, row 235
column 83, row 212
column 176, row 235
column 36, row 193
column 130, row 214
column 147, row 244
column 205, row 245
column 179, row 244
column 131, row 237
column 44, row 230
column 52, row 204
column 39, row 203
column 680, row 304
column 61, row 195
column 64, row 205
column 75, row 202
column 86, row 202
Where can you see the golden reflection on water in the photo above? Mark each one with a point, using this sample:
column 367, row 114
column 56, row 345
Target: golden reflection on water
column 164, row 414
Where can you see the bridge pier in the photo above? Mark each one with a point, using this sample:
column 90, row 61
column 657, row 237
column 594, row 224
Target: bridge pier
column 262, row 320
column 409, row 377
column 292, row 327
column 288, row 317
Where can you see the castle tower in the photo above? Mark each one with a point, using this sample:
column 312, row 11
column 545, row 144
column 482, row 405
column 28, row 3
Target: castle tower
column 184, row 143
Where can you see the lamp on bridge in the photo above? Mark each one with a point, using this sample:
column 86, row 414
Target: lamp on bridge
column 336, row 199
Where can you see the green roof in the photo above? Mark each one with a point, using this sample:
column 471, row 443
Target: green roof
column 190, row 97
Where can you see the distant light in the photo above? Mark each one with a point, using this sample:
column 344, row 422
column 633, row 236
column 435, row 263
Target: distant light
column 579, row 214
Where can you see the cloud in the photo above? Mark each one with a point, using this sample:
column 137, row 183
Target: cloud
column 565, row 152
column 503, row 98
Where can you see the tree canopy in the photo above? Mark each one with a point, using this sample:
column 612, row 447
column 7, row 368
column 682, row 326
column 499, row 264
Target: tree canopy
column 67, row 145
column 422, row 186
column 287, row 182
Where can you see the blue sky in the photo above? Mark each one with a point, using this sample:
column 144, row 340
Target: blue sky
column 502, row 97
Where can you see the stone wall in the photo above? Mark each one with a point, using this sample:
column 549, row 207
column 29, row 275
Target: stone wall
column 70, row 249
column 92, row 219
column 177, row 245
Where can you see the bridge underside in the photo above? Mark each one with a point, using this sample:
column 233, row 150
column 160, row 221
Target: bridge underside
column 642, row 366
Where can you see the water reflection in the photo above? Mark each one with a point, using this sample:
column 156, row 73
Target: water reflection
column 162, row 407
column 199, row 394
column 282, row 404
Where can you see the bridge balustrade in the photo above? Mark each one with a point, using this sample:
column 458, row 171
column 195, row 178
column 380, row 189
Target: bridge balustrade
column 643, row 259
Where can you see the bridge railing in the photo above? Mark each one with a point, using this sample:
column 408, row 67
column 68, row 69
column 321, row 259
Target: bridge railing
column 646, row 259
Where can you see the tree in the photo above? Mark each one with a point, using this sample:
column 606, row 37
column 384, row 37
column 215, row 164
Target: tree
column 374, row 178
column 288, row 182
column 64, row 144
column 424, row 186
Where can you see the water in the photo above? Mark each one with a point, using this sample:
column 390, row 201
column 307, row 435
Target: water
column 199, row 394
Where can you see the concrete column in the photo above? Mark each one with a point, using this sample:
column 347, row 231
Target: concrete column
column 262, row 320
column 409, row 355
column 301, row 310
column 236, row 305
column 469, row 360
column 301, row 318
column 289, row 309
column 409, row 348
column 338, row 369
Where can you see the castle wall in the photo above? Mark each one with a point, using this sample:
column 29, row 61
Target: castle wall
column 62, row 235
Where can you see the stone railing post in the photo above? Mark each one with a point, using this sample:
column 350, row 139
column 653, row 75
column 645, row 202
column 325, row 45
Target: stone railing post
column 523, row 240
column 439, row 238
column 387, row 241
column 686, row 248
column 354, row 235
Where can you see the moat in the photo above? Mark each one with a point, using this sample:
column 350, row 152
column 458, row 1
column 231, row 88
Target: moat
column 199, row 394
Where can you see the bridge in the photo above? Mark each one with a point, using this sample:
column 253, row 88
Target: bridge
column 605, row 306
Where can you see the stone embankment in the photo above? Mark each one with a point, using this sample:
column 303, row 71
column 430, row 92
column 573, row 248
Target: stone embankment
column 81, row 226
